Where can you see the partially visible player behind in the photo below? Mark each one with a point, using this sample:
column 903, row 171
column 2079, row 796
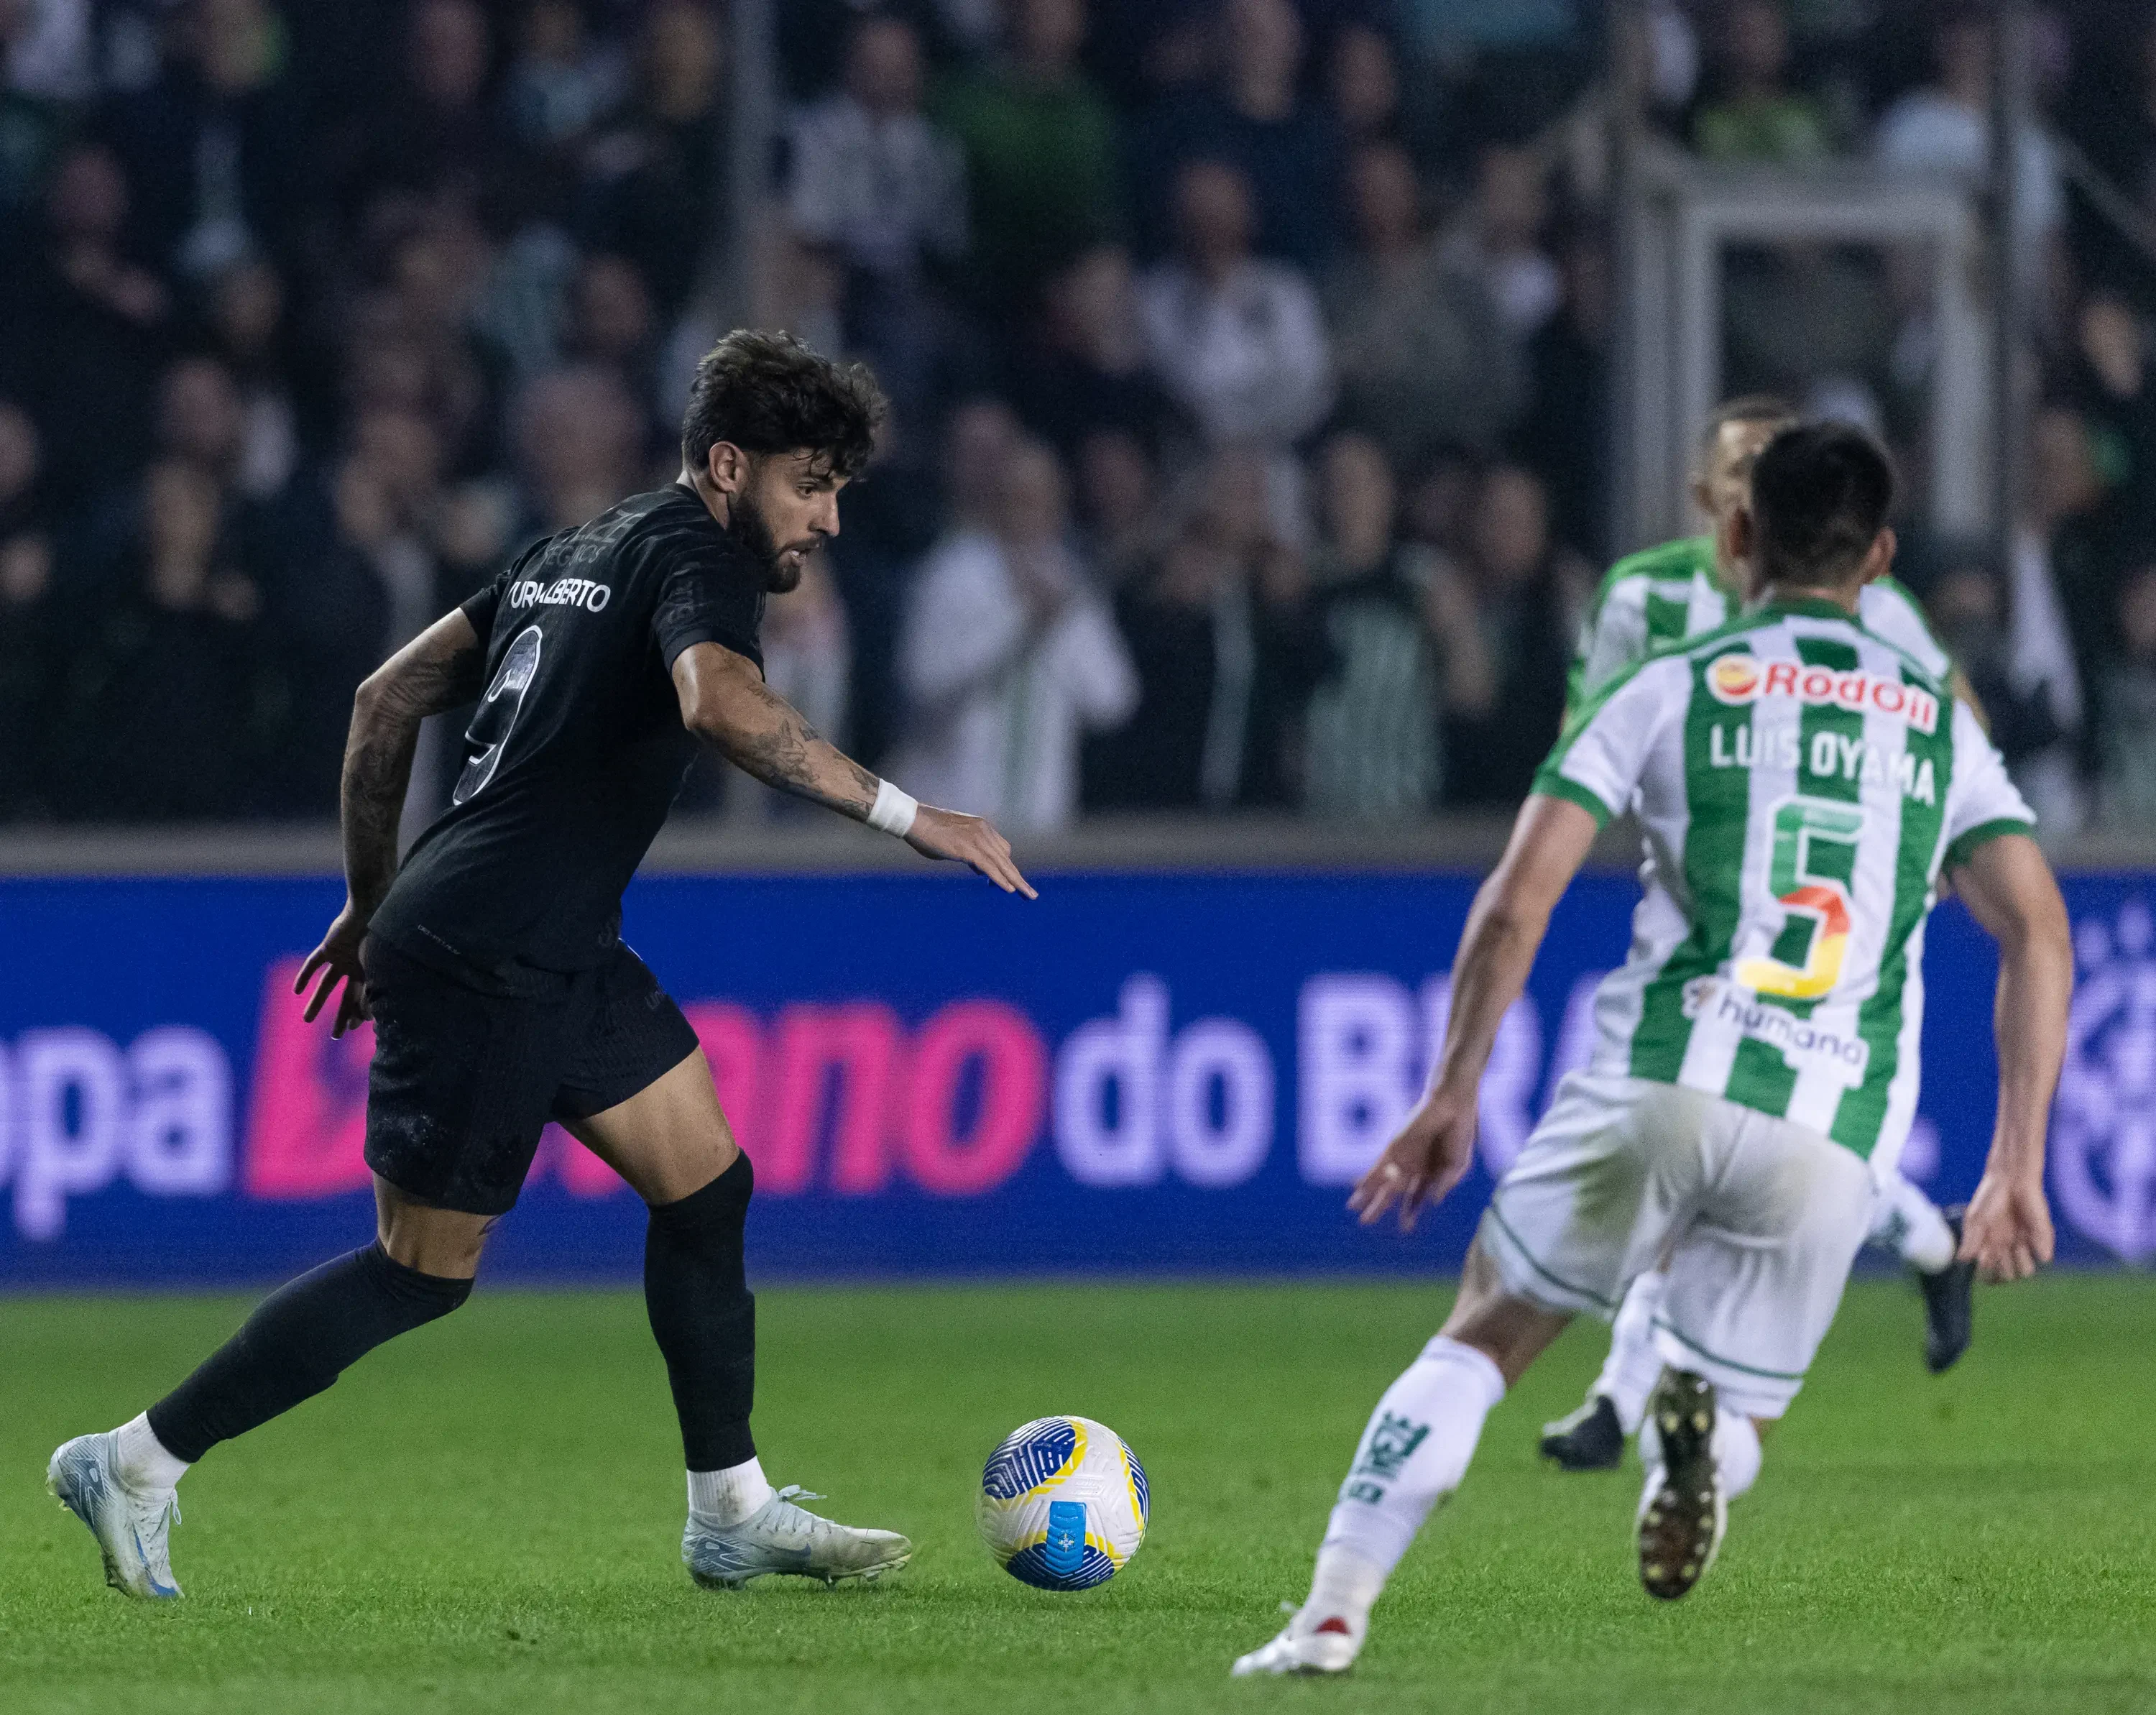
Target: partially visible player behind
column 501, row 992
column 1802, row 785
column 1650, row 600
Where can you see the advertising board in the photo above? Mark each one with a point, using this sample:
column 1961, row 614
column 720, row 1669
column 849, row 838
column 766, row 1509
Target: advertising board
column 1136, row 1073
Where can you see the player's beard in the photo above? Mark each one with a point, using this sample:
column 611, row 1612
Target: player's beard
column 752, row 533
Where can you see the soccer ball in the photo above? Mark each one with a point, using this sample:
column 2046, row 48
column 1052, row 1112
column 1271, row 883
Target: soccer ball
column 1064, row 1503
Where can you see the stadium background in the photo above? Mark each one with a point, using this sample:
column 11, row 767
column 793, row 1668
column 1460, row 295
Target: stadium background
column 1271, row 366
column 1291, row 367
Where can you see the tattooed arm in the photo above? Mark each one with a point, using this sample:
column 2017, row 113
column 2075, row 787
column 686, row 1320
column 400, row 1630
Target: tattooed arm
column 443, row 666
column 726, row 703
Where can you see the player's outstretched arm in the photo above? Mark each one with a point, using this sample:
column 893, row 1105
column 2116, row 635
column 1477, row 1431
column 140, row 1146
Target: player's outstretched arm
column 444, row 665
column 1505, row 928
column 2009, row 888
column 726, row 703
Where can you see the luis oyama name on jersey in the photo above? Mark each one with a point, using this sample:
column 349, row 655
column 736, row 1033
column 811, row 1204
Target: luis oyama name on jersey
column 1801, row 783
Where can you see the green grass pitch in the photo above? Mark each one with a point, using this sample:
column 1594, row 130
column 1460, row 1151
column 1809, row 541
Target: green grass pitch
column 486, row 1516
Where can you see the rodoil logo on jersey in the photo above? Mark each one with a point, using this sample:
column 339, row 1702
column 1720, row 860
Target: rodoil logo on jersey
column 1739, row 679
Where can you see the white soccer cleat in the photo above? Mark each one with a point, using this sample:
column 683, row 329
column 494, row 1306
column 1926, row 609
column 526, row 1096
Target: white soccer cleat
column 780, row 1537
column 133, row 1529
column 1323, row 1646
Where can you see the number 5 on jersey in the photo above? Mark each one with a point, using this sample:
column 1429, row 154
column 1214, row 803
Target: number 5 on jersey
column 1815, row 859
column 498, row 710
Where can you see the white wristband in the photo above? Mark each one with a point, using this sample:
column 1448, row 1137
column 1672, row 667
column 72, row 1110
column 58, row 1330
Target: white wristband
column 893, row 811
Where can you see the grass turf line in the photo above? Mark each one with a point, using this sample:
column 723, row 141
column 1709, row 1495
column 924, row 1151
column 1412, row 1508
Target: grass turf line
column 485, row 1516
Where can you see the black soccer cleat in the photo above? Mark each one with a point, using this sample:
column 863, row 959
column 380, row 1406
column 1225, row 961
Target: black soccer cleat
column 1682, row 1513
column 1591, row 1439
column 1949, row 1305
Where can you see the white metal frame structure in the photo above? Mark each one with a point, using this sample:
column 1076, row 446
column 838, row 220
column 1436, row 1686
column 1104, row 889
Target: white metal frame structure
column 1687, row 214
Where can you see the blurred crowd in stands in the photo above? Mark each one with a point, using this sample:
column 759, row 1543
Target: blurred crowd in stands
column 1250, row 364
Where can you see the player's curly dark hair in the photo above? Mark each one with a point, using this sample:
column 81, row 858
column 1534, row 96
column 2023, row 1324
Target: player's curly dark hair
column 1820, row 493
column 768, row 393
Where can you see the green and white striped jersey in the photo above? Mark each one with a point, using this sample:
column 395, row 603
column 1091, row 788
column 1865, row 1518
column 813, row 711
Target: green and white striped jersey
column 1662, row 595
column 1801, row 783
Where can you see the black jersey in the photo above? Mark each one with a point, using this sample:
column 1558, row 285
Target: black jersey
column 578, row 748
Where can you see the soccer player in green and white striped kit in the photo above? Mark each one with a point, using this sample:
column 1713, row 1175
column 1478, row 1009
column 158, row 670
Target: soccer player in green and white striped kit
column 1651, row 600
column 1804, row 785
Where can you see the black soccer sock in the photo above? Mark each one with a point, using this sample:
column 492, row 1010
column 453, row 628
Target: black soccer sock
column 300, row 1338
column 703, row 1316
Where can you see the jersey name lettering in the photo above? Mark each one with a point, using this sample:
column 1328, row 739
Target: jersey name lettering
column 562, row 592
column 1830, row 756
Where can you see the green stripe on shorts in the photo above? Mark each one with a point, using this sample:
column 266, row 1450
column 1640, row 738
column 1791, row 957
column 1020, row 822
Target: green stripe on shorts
column 1772, row 1375
column 1555, row 1280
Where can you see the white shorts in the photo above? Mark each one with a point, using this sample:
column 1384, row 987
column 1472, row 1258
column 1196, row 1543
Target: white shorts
column 1760, row 1219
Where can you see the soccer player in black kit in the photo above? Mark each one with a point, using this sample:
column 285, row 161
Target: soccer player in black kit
column 501, row 992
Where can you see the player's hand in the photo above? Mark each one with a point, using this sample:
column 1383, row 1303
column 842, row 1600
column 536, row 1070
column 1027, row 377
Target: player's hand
column 337, row 961
column 2007, row 1232
column 970, row 840
column 1430, row 1156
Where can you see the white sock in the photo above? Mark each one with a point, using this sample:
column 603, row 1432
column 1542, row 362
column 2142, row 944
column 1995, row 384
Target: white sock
column 1343, row 1590
column 1738, row 1454
column 1905, row 1221
column 1413, row 1454
column 144, row 1464
column 730, row 1495
column 1634, row 1366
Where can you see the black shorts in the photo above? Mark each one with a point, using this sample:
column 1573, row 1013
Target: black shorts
column 463, row 1081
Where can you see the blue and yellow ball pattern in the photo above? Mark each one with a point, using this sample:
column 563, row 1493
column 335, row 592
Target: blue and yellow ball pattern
column 1064, row 1503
